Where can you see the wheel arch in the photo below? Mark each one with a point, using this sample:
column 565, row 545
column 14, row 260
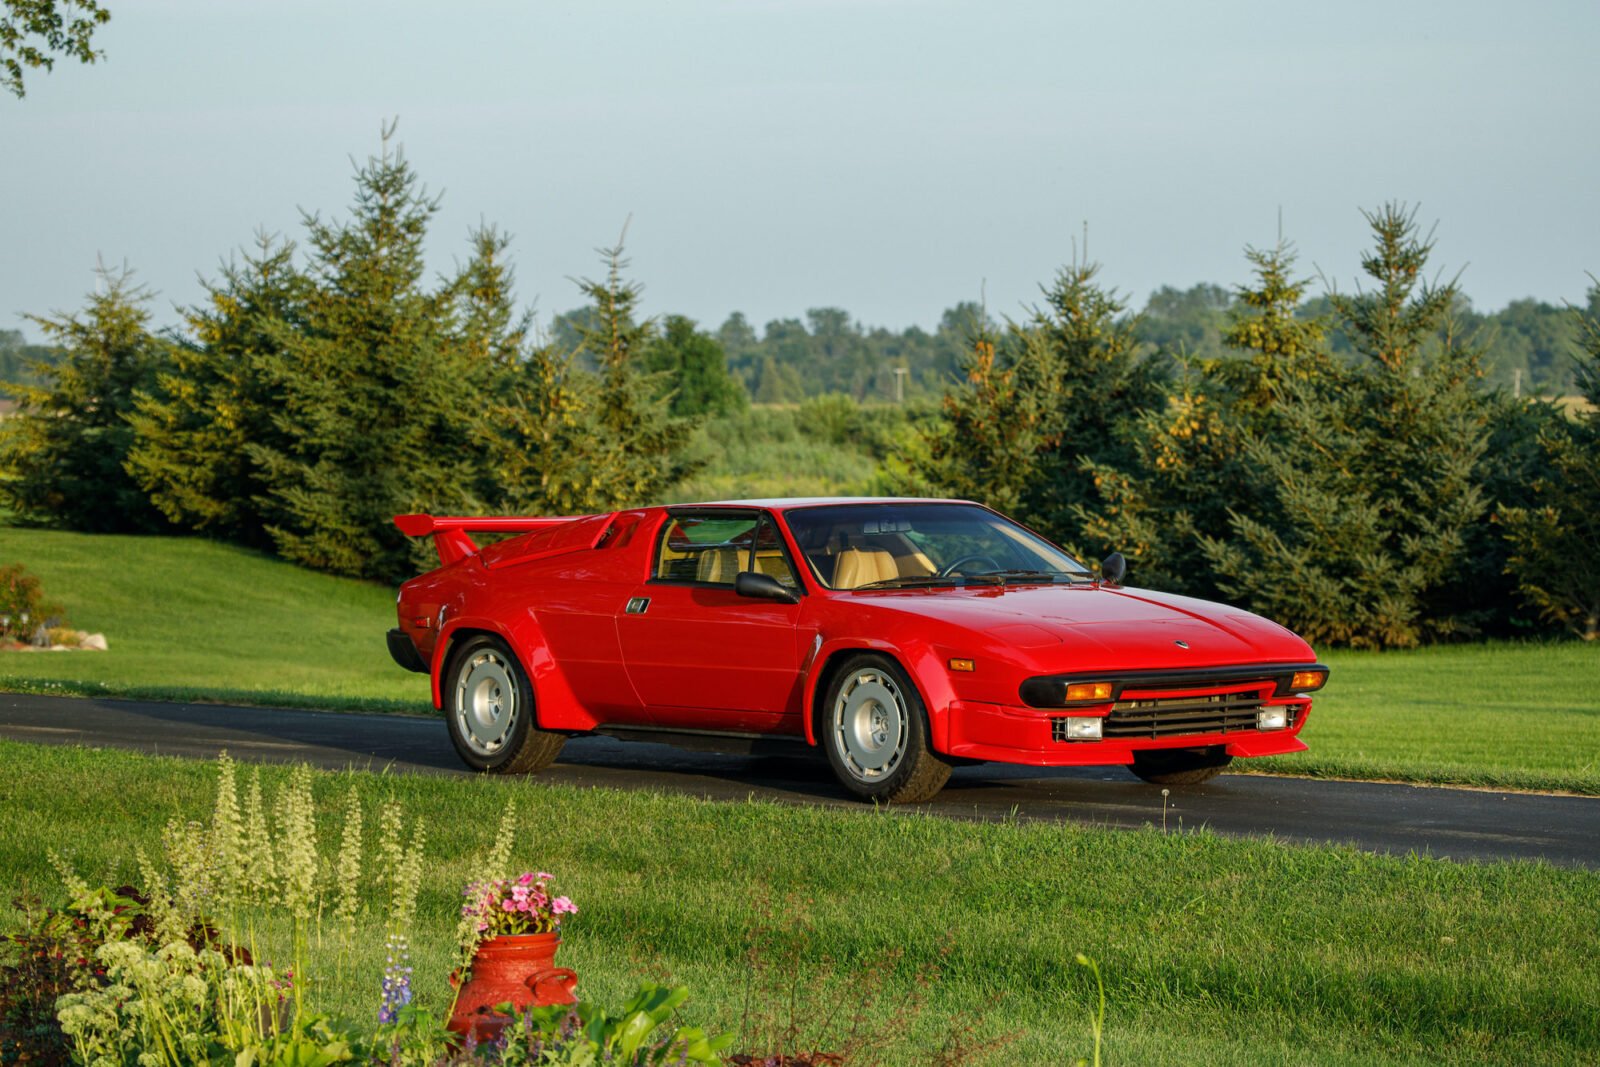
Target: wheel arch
column 555, row 707
column 920, row 664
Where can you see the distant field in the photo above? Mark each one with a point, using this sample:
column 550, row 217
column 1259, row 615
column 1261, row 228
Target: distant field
column 771, row 451
column 194, row 620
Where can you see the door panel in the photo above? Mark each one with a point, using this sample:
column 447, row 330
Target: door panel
column 700, row 655
column 704, row 657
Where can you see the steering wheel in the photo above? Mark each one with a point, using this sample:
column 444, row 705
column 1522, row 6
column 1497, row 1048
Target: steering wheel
column 950, row 568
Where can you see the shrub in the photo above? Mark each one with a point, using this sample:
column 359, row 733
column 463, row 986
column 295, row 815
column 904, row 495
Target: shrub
column 22, row 603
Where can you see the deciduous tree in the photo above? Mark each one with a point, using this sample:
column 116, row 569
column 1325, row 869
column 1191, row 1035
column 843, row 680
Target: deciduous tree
column 34, row 32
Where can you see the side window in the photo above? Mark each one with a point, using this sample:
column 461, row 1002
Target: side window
column 768, row 555
column 704, row 548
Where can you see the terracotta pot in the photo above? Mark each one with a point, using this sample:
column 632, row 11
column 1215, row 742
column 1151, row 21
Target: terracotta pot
column 518, row 969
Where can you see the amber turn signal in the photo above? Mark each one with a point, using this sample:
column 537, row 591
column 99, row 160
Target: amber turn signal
column 1306, row 681
column 1079, row 691
column 963, row 665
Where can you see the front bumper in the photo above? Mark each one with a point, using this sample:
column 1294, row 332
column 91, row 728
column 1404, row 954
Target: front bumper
column 1007, row 734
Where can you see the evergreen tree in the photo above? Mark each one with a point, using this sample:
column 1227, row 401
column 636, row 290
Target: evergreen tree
column 539, row 441
column 566, row 441
column 640, row 443
column 1096, row 385
column 1046, row 411
column 1266, row 325
column 63, row 452
column 379, row 390
column 1187, row 474
column 1555, row 540
column 195, row 427
column 1367, row 484
column 995, row 427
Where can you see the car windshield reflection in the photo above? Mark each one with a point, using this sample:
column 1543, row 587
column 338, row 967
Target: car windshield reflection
column 911, row 545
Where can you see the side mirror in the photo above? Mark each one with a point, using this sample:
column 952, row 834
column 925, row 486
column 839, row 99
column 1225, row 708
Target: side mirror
column 763, row 587
column 1112, row 568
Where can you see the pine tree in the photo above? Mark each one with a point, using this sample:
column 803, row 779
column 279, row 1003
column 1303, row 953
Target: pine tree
column 64, row 451
column 1555, row 541
column 1187, row 471
column 994, row 428
column 1366, row 481
column 564, row 441
column 1046, row 409
column 380, row 392
column 1266, row 326
column 195, row 427
column 640, row 443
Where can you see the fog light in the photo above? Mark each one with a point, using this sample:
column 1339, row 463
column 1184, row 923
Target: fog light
column 1083, row 728
column 1272, row 719
column 1080, row 692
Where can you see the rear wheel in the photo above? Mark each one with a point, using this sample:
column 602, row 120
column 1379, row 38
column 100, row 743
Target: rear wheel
column 1180, row 766
column 489, row 710
column 875, row 732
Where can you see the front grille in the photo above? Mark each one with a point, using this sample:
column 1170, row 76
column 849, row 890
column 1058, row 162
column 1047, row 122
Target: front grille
column 1214, row 713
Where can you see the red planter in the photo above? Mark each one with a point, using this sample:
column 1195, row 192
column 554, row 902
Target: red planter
column 518, row 969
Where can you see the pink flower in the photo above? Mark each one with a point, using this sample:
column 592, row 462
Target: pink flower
column 525, row 879
column 509, row 905
column 563, row 906
column 543, row 876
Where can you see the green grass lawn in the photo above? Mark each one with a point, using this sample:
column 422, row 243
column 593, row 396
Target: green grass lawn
column 1213, row 950
column 190, row 619
column 1499, row 714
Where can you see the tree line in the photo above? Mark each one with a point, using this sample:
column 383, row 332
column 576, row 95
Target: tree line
column 1341, row 467
column 1381, row 499
column 313, row 396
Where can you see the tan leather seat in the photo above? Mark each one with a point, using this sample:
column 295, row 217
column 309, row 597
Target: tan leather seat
column 718, row 565
column 774, row 565
column 855, row 567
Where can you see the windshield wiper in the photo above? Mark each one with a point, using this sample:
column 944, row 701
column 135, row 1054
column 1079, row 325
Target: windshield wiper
column 923, row 581
column 1046, row 576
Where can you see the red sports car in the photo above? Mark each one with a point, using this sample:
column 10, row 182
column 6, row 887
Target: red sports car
column 903, row 637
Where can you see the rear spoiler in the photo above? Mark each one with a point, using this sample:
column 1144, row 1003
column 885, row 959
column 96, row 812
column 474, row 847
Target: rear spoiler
column 449, row 532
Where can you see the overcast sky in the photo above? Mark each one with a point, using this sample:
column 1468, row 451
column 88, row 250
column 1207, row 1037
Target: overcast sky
column 889, row 157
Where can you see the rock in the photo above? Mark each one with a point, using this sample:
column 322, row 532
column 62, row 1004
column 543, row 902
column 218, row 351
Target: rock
column 40, row 638
column 96, row 642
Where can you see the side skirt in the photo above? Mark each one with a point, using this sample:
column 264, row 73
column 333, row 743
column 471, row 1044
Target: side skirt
column 728, row 742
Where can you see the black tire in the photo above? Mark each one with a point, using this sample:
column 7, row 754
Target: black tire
column 874, row 730
column 489, row 710
column 1180, row 766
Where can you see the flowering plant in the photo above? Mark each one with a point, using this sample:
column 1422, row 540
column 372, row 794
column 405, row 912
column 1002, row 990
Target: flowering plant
column 526, row 904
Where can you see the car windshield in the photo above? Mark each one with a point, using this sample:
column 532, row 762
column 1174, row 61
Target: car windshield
column 860, row 546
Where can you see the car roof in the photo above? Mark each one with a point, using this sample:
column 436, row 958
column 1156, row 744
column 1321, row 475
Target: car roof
column 792, row 502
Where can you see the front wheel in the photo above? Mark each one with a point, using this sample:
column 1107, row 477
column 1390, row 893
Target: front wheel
column 489, row 711
column 875, row 732
column 1181, row 766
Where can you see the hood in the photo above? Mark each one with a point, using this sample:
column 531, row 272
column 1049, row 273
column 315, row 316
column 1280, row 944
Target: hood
column 1116, row 628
